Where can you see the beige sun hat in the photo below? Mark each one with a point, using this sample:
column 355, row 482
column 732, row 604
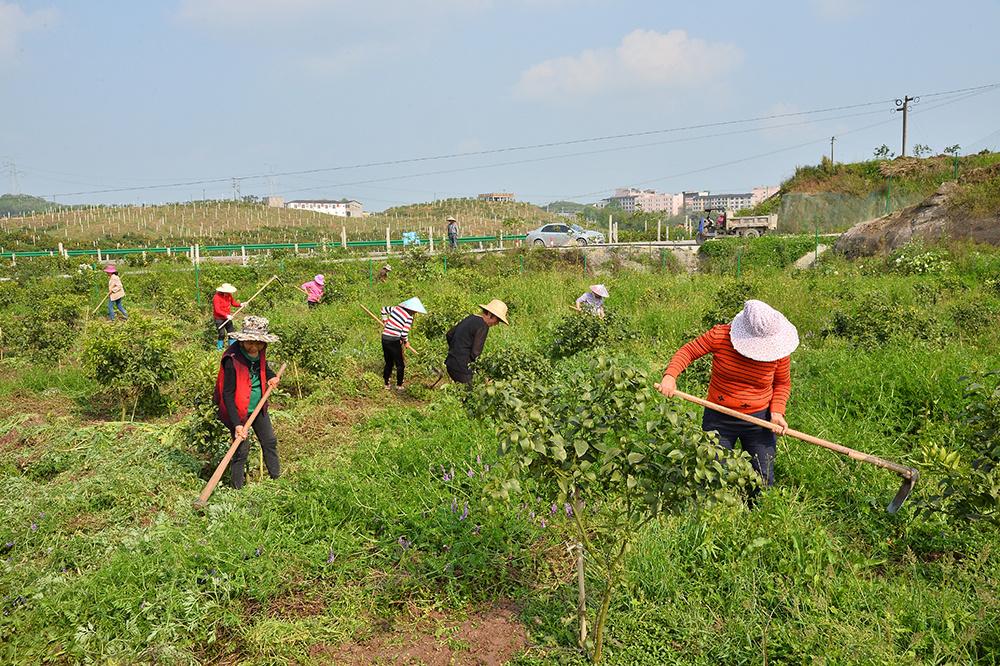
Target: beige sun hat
column 498, row 308
column 226, row 288
column 255, row 329
column 600, row 290
column 762, row 333
column 387, row 267
column 450, row 219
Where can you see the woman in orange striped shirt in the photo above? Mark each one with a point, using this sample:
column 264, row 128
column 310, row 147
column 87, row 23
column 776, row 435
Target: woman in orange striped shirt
column 750, row 374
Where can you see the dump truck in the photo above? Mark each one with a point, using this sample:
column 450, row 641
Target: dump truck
column 721, row 223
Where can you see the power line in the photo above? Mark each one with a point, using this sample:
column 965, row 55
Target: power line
column 537, row 146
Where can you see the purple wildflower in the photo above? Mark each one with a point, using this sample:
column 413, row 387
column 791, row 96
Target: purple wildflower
column 531, row 514
column 331, row 557
column 553, row 509
column 479, row 460
column 544, row 524
column 465, row 512
column 469, row 473
column 34, row 527
column 569, row 508
column 404, row 542
column 475, row 530
column 454, row 505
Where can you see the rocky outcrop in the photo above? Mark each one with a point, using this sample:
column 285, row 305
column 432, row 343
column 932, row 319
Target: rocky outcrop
column 933, row 219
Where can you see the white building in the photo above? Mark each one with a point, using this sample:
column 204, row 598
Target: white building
column 338, row 207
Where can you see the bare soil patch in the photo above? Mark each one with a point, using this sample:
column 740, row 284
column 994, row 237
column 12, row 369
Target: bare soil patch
column 490, row 637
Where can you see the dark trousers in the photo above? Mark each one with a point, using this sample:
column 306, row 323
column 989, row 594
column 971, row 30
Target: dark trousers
column 458, row 376
column 757, row 441
column 224, row 331
column 392, row 350
column 268, row 443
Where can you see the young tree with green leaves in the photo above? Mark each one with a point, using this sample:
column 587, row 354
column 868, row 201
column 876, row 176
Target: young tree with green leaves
column 602, row 444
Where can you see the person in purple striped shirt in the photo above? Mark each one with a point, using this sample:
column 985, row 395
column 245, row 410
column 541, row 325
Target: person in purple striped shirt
column 397, row 321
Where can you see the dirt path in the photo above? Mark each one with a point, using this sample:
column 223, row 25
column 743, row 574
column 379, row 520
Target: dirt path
column 809, row 258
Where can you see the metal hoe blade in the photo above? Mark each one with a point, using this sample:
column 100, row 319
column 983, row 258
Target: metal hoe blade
column 904, row 491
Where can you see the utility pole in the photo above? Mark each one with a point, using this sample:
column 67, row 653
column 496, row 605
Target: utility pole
column 236, row 189
column 904, row 106
column 12, row 172
column 832, row 139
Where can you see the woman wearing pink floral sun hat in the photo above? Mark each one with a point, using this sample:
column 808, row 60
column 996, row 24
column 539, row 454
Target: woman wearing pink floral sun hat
column 751, row 373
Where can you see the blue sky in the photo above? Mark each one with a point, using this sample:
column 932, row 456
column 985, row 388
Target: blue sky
column 99, row 94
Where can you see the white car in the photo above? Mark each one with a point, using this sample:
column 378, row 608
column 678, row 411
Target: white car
column 557, row 233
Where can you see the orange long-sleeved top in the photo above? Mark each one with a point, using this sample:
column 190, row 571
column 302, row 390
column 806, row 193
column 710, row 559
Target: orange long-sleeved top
column 737, row 382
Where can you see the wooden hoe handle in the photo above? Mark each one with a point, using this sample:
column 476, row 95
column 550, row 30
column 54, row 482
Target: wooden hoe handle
column 902, row 470
column 224, row 463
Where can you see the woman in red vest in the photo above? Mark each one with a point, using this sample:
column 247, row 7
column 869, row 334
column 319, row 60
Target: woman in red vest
column 243, row 377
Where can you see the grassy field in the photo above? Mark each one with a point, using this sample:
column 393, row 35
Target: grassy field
column 381, row 539
column 226, row 222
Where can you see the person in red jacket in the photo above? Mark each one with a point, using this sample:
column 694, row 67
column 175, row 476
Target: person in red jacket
column 242, row 379
column 222, row 304
column 751, row 373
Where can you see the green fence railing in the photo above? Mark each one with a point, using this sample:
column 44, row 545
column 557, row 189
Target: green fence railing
column 247, row 247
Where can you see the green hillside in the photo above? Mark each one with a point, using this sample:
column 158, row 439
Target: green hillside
column 834, row 197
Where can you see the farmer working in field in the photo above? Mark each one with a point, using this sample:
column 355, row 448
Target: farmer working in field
column 116, row 292
column 466, row 339
column 397, row 321
column 383, row 273
column 222, row 304
column 593, row 300
column 452, row 233
column 314, row 290
column 242, row 379
column 750, row 374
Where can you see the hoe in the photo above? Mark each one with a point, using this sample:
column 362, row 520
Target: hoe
column 908, row 474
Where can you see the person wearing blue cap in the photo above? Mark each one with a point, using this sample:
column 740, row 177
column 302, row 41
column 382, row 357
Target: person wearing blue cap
column 397, row 321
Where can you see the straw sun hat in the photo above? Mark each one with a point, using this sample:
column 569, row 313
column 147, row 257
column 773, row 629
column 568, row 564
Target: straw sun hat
column 255, row 329
column 600, row 290
column 762, row 333
column 226, row 288
column 498, row 309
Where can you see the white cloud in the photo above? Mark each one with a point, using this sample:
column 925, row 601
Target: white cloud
column 645, row 58
column 14, row 22
column 839, row 10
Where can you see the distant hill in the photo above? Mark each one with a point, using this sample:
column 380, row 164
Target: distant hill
column 565, row 207
column 473, row 215
column 21, row 204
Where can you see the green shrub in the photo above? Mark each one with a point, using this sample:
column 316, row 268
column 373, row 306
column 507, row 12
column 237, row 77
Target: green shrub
column 512, row 362
column 131, row 361
column 877, row 317
column 577, row 332
column 968, row 484
column 915, row 259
